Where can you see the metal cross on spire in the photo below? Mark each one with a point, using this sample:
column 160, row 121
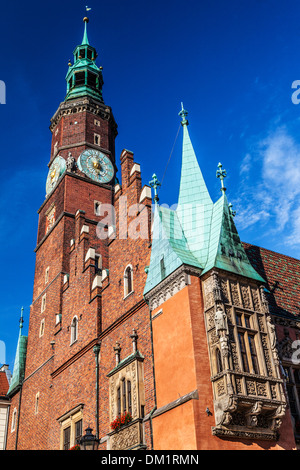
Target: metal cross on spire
column 21, row 319
column 154, row 183
column 183, row 113
column 221, row 174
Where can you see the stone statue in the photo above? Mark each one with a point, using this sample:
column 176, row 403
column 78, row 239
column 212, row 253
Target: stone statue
column 220, row 320
column 70, row 163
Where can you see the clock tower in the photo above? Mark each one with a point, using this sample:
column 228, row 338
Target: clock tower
column 83, row 127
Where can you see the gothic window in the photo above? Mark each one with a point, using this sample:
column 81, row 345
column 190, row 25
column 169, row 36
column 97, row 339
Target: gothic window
column 67, row 438
column 246, row 339
column 128, row 281
column 47, row 275
column 98, row 264
column 37, row 397
column 43, row 306
column 74, row 330
column 14, row 420
column 219, row 360
column 78, row 431
column 42, row 328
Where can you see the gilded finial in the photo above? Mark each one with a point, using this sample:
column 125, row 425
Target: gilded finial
column 85, row 19
column 183, row 113
column 154, row 183
column 221, row 174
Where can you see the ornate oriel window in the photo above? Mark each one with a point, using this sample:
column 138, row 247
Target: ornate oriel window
column 248, row 390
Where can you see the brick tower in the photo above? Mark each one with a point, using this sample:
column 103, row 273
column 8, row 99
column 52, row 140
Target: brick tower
column 175, row 325
column 87, row 297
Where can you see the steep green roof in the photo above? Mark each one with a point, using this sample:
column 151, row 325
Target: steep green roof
column 225, row 248
column 20, row 359
column 169, row 247
column 199, row 233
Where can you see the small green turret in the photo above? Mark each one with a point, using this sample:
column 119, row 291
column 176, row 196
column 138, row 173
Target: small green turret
column 84, row 77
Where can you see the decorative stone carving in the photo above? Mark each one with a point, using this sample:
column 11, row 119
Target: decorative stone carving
column 126, row 438
column 247, row 404
column 70, row 163
column 220, row 320
column 174, row 283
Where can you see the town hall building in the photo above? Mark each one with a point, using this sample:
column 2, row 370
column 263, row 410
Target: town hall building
column 150, row 328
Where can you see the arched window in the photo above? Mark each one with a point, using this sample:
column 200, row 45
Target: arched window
column 14, row 420
column 74, row 330
column 128, row 280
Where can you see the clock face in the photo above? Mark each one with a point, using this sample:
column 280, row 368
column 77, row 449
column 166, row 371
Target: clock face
column 57, row 168
column 96, row 165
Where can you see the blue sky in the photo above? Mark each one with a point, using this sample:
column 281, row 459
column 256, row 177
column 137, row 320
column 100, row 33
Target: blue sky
column 232, row 63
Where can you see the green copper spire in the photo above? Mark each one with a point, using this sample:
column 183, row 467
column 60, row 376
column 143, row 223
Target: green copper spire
column 84, row 77
column 199, row 233
column 20, row 359
column 194, row 202
column 85, row 41
column 169, row 247
column 226, row 250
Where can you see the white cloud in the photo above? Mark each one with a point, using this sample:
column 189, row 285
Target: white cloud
column 274, row 197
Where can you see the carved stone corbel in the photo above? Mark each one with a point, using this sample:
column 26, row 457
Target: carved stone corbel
column 224, row 409
column 276, row 418
column 252, row 414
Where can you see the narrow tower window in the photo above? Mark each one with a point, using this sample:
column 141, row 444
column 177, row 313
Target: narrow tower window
column 74, row 330
column 128, row 281
column 96, row 139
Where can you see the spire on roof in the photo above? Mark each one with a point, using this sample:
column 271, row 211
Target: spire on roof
column 194, row 202
column 21, row 319
column 20, row 359
column 85, row 41
column 154, row 183
column 221, row 174
column 84, row 77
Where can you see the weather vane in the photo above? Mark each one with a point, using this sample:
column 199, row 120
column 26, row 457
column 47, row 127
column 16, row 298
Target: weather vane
column 221, row 174
column 155, row 184
column 88, row 8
